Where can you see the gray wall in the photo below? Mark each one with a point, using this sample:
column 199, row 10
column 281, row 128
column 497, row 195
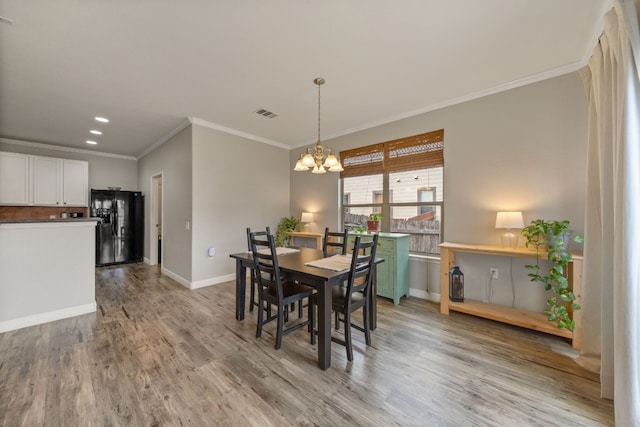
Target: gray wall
column 522, row 149
column 237, row 183
column 104, row 170
column 173, row 159
column 218, row 183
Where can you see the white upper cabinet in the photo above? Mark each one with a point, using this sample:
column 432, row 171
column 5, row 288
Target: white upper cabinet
column 60, row 182
column 15, row 179
column 48, row 181
column 75, row 183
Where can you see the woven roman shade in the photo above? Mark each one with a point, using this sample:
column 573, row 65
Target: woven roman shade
column 367, row 160
column 414, row 152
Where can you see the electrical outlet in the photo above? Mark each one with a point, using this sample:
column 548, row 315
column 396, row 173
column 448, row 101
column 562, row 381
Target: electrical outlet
column 493, row 273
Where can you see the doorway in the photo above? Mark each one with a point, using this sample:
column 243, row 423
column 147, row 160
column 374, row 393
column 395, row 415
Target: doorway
column 155, row 228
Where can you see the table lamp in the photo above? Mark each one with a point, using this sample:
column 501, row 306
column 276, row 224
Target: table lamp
column 509, row 220
column 306, row 219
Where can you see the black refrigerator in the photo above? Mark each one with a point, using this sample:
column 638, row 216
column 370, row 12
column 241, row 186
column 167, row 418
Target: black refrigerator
column 119, row 237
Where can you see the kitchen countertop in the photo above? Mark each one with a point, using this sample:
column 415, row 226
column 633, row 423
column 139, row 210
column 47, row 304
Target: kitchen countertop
column 32, row 220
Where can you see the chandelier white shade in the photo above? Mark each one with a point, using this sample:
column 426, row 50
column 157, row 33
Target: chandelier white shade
column 318, row 158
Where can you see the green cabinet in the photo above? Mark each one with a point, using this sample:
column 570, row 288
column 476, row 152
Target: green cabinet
column 393, row 273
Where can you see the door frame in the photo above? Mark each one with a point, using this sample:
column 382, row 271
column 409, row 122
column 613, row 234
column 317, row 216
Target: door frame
column 154, row 209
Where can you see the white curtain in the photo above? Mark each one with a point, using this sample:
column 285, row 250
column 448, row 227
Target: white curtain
column 611, row 293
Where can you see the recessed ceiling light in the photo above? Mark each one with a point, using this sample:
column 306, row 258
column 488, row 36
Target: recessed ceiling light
column 102, row 119
column 91, row 142
column 95, row 132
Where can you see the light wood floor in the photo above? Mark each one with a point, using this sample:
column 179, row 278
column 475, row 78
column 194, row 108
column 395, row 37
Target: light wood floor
column 157, row 354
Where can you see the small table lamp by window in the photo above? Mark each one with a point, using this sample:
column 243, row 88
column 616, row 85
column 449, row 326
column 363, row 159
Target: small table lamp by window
column 510, row 221
column 307, row 217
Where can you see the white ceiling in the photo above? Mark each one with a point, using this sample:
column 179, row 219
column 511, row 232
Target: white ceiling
column 148, row 65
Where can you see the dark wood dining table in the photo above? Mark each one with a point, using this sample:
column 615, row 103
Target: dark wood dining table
column 292, row 265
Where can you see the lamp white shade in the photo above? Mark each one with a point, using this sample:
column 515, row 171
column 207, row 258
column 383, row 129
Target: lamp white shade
column 509, row 220
column 306, row 217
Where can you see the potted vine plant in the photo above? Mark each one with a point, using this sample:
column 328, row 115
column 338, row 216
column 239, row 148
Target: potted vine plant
column 286, row 225
column 373, row 223
column 553, row 236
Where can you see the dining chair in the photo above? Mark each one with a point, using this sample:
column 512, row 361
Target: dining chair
column 254, row 284
column 274, row 290
column 346, row 300
column 334, row 240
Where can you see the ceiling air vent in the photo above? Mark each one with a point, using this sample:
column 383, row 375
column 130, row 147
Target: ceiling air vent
column 266, row 113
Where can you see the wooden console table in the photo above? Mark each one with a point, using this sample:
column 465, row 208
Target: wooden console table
column 502, row 313
column 302, row 238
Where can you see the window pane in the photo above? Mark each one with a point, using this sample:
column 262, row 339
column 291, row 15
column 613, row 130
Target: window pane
column 424, row 228
column 354, row 221
column 362, row 190
column 409, row 186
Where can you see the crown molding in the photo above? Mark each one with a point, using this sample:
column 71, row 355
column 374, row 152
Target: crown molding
column 545, row 75
column 235, row 132
column 165, row 138
column 67, row 149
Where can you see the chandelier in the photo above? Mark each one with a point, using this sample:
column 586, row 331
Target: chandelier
column 319, row 157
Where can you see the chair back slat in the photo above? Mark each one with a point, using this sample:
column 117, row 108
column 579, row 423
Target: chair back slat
column 362, row 265
column 266, row 262
column 261, row 234
column 334, row 240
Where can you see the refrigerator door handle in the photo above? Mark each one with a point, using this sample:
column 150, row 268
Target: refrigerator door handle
column 114, row 225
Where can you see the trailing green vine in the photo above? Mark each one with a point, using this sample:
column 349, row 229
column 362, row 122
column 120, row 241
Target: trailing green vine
column 550, row 235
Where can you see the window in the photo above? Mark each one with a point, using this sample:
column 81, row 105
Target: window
column 426, row 194
column 403, row 180
column 346, row 200
column 377, row 199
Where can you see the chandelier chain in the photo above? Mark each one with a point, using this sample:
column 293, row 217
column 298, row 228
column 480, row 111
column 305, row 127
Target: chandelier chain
column 319, row 84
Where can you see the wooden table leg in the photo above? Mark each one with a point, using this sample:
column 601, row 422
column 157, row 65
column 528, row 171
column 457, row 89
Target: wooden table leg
column 241, row 284
column 373, row 297
column 324, row 327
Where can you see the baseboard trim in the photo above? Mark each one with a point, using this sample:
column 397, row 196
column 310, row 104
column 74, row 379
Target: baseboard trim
column 212, row 281
column 426, row 295
column 50, row 316
column 418, row 293
column 199, row 283
column 184, row 282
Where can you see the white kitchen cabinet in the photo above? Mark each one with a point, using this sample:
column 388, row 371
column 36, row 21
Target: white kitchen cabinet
column 75, row 183
column 47, row 182
column 15, row 179
column 60, row 182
